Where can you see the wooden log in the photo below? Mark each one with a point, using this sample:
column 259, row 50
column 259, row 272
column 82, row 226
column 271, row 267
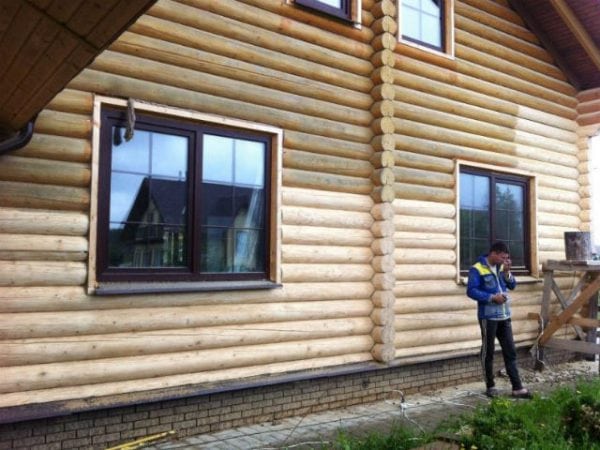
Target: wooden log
column 46, row 376
column 38, row 242
column 264, row 19
column 383, row 159
column 524, row 74
column 383, row 281
column 423, row 177
column 364, row 34
column 383, row 352
column 219, row 25
column 424, row 256
column 383, row 8
column 58, row 148
column 500, row 9
column 74, row 323
column 461, row 304
column 157, row 72
column 201, row 61
column 383, row 299
column 117, row 85
column 382, row 316
column 57, row 349
column 409, row 159
column 321, row 254
column 384, row 41
column 63, row 124
column 424, row 209
column 404, row 272
column 558, row 207
column 383, row 334
column 326, row 146
column 505, row 52
column 305, row 273
column 383, row 74
column 36, row 273
column 444, row 349
column 383, row 194
column 325, row 218
column 383, row 108
column 558, row 195
column 326, row 200
column 74, row 298
column 72, row 101
column 16, row 168
column 383, row 246
column 382, row 228
column 482, row 86
column 318, row 235
column 383, row 263
column 313, row 162
column 427, row 321
column 558, row 220
column 190, row 36
column 384, row 24
column 73, row 393
column 426, row 193
column 423, row 240
column 416, row 338
column 424, row 288
column 27, row 221
column 383, row 177
column 42, row 196
column 382, row 211
column 425, row 224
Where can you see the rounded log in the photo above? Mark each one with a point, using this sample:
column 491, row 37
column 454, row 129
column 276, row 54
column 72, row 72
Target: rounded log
column 382, row 177
column 46, row 273
column 424, row 209
column 382, row 211
column 385, row 24
column 31, row 221
column 408, row 272
column 384, row 246
column 384, row 108
column 16, row 168
column 427, row 193
column 383, row 8
column 117, row 369
column 313, row 162
column 43, row 196
column 326, row 200
column 425, row 288
column 425, row 224
column 424, row 256
column 326, row 146
column 432, row 336
column 383, row 194
column 382, row 316
column 383, row 143
column 325, row 235
column 46, row 146
column 384, row 41
column 296, row 215
column 324, row 254
column 382, row 92
column 409, row 159
column 383, row 334
column 383, row 74
column 57, row 349
column 424, row 240
column 72, row 101
column 63, row 124
column 383, row 159
column 383, row 352
column 383, row 263
column 383, row 299
column 384, row 58
column 328, row 182
column 382, row 228
column 422, row 177
column 42, row 243
column 558, row 220
column 558, row 207
column 305, row 273
column 383, row 281
column 434, row 320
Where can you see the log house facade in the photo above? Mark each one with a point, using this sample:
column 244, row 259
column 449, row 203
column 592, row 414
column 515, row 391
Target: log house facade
column 369, row 135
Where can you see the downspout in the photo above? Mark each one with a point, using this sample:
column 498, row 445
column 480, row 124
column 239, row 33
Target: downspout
column 18, row 140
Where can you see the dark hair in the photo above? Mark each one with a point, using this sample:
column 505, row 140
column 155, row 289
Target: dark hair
column 499, row 247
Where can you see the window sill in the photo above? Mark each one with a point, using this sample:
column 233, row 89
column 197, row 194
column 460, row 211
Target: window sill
column 177, row 287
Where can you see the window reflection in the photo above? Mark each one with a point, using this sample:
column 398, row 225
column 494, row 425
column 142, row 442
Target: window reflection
column 422, row 22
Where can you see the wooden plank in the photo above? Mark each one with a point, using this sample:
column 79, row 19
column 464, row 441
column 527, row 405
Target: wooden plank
column 565, row 303
column 570, row 266
column 583, row 297
column 584, row 322
column 16, row 35
column 62, row 11
column 574, row 346
column 8, row 10
column 88, row 15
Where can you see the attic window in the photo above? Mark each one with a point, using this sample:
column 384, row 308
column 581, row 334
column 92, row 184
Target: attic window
column 184, row 201
column 427, row 25
column 338, row 8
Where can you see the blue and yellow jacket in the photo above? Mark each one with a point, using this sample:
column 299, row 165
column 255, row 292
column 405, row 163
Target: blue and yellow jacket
column 483, row 283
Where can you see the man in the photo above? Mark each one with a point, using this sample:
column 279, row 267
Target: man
column 489, row 279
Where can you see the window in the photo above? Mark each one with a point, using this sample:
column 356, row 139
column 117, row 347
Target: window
column 494, row 206
column 337, row 8
column 428, row 24
column 183, row 200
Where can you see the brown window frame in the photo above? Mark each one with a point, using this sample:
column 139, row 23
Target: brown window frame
column 344, row 12
column 114, row 115
column 495, row 177
column 442, row 46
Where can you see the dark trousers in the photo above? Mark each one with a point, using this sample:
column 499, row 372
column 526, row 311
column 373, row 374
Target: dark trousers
column 501, row 329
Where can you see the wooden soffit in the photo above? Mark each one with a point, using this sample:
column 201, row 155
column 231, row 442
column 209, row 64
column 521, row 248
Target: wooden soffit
column 45, row 43
column 570, row 31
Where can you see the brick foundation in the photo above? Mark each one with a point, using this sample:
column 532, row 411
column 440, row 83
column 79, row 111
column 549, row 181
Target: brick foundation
column 217, row 411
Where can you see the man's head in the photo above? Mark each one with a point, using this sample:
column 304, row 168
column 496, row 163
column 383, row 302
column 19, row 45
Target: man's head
column 498, row 253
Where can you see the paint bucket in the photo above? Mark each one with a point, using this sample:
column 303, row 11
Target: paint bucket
column 578, row 245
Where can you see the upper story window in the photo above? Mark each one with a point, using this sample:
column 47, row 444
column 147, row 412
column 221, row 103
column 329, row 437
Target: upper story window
column 428, row 24
column 183, row 200
column 337, row 8
column 494, row 207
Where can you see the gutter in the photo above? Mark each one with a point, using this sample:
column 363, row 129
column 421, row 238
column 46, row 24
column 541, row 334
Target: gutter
column 17, row 140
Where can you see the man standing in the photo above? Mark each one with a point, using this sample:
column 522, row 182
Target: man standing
column 489, row 281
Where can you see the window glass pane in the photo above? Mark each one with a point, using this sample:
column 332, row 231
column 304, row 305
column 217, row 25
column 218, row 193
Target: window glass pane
column 249, row 253
column 481, row 224
column 430, row 30
column 475, row 229
column 416, row 4
column 217, row 204
column 249, row 207
column 474, row 191
column 125, row 191
column 169, row 155
column 217, row 159
column 249, row 163
column 334, row 3
column 517, row 253
column 216, row 253
column 411, row 23
column 501, row 225
column 431, row 7
column 133, row 155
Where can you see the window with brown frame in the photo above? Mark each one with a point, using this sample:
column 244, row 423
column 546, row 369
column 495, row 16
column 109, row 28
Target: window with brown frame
column 182, row 200
column 427, row 25
column 336, row 8
column 494, row 207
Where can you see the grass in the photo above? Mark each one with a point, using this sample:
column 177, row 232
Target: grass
column 566, row 419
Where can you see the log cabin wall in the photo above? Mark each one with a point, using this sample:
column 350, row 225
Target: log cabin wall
column 362, row 117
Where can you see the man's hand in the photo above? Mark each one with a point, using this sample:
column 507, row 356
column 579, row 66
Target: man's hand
column 506, row 265
column 498, row 298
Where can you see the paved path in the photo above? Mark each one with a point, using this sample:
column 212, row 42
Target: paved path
column 425, row 411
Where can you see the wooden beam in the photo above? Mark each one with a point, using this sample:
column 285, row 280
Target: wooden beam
column 518, row 5
column 554, row 325
column 574, row 346
column 578, row 30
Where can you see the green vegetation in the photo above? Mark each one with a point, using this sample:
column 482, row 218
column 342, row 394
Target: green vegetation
column 568, row 418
